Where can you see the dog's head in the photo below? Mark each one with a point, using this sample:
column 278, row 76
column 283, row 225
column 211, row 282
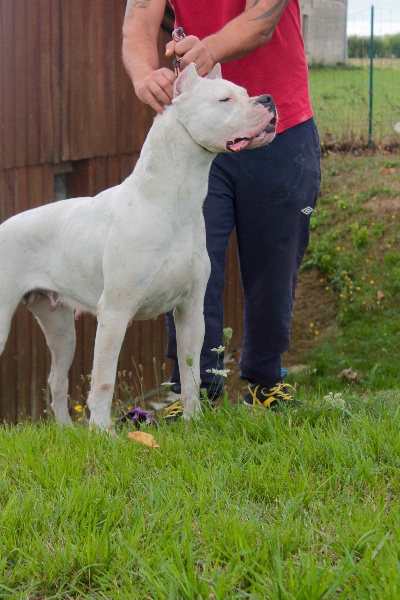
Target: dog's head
column 219, row 115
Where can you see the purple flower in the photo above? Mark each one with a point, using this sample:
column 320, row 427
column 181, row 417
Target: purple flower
column 137, row 416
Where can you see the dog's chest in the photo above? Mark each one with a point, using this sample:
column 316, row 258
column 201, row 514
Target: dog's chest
column 181, row 275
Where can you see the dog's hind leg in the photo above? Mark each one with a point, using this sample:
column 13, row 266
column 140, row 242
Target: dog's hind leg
column 59, row 330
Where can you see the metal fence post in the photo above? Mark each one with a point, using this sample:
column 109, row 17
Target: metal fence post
column 371, row 77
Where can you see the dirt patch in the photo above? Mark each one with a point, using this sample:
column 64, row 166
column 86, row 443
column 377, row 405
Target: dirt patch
column 313, row 319
column 384, row 206
column 313, row 315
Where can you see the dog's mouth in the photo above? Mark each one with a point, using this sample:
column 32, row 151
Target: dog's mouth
column 242, row 142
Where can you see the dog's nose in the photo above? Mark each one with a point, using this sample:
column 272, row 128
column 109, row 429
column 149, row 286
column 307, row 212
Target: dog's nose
column 267, row 101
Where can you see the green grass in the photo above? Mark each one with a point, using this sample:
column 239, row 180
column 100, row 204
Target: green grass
column 289, row 505
column 301, row 504
column 340, row 99
column 355, row 244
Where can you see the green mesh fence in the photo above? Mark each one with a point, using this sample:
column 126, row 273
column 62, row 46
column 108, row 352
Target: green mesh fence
column 341, row 91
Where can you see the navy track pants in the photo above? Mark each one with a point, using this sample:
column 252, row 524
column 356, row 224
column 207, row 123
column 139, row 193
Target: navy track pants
column 268, row 194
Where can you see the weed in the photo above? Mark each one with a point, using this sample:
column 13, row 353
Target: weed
column 356, row 250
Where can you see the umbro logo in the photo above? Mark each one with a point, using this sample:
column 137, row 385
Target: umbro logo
column 308, row 210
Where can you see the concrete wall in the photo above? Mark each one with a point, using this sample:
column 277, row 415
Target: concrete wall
column 324, row 30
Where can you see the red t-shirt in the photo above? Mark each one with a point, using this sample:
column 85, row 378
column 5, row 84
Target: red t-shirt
column 278, row 68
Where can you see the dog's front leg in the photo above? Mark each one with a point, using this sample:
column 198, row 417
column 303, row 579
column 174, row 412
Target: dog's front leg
column 111, row 328
column 189, row 322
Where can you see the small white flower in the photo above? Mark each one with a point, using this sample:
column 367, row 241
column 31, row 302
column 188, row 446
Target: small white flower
column 335, row 400
column 221, row 372
column 218, row 350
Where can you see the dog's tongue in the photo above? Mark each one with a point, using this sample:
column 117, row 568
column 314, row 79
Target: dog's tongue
column 238, row 144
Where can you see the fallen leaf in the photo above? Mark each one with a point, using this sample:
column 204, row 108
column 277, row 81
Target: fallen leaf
column 143, row 438
column 349, row 375
column 380, row 295
column 385, row 171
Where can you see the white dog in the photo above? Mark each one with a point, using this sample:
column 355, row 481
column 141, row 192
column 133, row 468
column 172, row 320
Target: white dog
column 135, row 250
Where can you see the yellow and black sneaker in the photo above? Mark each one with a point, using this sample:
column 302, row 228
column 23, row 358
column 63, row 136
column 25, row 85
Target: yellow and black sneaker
column 174, row 411
column 273, row 397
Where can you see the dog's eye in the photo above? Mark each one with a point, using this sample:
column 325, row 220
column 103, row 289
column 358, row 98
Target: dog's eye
column 225, row 99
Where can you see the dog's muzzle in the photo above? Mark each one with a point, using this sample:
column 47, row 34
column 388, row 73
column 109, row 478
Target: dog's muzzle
column 268, row 102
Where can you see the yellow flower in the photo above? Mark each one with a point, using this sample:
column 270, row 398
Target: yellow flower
column 372, row 282
column 79, row 408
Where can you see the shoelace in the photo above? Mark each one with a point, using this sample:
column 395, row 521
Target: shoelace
column 273, row 394
column 175, row 410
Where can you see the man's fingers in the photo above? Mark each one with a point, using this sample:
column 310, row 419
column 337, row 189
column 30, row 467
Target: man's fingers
column 162, row 84
column 188, row 43
column 157, row 89
column 154, row 104
column 191, row 49
column 156, row 93
column 203, row 61
column 180, row 48
column 170, row 48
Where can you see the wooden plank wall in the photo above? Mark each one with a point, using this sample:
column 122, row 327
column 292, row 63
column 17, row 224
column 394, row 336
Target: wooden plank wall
column 65, row 97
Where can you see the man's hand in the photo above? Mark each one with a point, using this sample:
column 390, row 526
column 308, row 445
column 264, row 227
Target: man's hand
column 156, row 89
column 191, row 49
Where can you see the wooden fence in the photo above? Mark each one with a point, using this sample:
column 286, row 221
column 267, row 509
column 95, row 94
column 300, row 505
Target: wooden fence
column 67, row 106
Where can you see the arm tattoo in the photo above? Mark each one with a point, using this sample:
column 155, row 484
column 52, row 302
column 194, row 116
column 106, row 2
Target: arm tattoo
column 277, row 8
column 132, row 5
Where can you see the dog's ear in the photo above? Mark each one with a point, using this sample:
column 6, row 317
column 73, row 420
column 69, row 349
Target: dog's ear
column 215, row 73
column 185, row 80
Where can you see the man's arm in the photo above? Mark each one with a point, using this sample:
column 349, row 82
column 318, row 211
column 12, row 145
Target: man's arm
column 140, row 53
column 250, row 30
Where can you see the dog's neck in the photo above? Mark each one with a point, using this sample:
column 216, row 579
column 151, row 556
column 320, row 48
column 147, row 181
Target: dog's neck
column 168, row 146
column 169, row 134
